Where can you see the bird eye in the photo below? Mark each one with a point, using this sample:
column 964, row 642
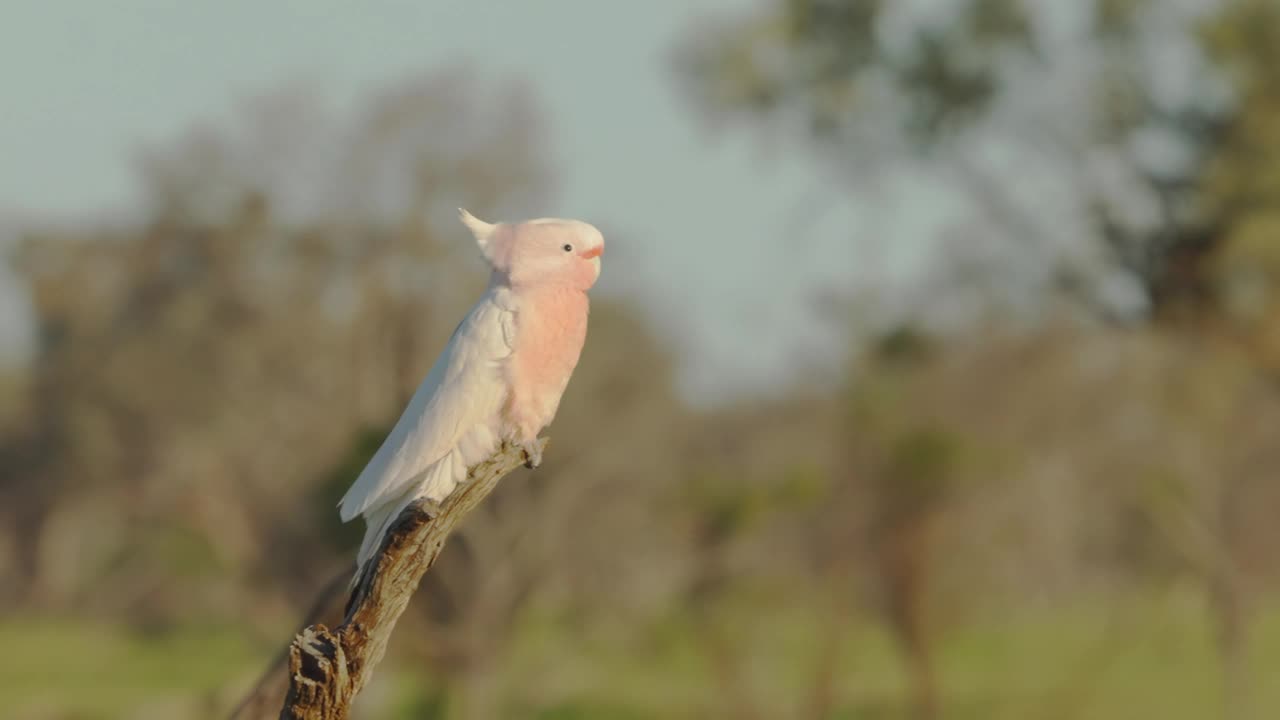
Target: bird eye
column 568, row 247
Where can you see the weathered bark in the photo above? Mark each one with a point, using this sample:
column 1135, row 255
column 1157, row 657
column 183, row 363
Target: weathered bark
column 328, row 668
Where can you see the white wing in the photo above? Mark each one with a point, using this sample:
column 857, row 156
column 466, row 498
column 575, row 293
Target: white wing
column 452, row 422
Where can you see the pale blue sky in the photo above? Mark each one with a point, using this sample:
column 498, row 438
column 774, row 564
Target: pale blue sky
column 712, row 220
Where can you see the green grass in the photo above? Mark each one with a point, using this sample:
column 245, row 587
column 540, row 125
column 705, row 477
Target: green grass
column 1148, row 658
column 1153, row 658
column 84, row 669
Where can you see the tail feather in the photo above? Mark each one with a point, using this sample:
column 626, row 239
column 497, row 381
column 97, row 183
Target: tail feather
column 377, row 523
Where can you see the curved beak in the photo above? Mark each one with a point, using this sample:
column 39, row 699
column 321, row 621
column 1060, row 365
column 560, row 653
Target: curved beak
column 594, row 252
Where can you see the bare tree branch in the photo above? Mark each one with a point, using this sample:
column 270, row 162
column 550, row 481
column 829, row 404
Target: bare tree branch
column 328, row 668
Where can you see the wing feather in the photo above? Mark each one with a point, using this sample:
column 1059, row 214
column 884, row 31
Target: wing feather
column 448, row 422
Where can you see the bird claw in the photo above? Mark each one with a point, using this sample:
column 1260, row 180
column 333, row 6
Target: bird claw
column 532, row 454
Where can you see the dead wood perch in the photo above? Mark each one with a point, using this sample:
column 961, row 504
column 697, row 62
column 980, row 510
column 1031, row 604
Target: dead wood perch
column 327, row 668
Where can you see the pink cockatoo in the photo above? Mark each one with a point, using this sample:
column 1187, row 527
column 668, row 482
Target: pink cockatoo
column 500, row 376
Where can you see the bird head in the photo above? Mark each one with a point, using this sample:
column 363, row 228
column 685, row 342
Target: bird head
column 546, row 251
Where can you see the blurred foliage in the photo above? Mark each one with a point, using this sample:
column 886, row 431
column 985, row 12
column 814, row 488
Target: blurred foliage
column 1152, row 116
column 1068, row 518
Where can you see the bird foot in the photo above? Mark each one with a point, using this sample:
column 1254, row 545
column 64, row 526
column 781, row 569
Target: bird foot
column 532, row 453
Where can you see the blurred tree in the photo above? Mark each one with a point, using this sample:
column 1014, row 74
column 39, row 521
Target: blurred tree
column 1151, row 126
column 1112, row 103
column 904, row 478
